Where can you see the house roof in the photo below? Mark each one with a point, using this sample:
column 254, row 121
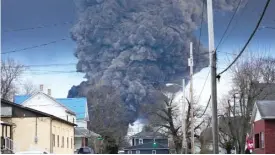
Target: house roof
column 266, row 108
column 75, row 105
column 146, row 146
column 82, row 132
column 147, row 134
column 37, row 112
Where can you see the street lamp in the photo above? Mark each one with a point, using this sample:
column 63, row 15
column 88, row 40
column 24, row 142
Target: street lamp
column 184, row 144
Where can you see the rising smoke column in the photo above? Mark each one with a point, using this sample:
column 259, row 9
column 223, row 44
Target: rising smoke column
column 136, row 45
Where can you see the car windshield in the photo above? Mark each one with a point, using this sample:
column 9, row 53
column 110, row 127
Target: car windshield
column 85, row 150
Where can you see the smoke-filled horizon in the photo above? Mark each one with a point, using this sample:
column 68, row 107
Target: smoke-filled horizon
column 137, row 46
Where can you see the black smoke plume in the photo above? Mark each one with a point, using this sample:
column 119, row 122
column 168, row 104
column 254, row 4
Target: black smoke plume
column 137, row 45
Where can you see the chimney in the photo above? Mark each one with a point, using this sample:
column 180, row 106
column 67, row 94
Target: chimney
column 41, row 87
column 49, row 92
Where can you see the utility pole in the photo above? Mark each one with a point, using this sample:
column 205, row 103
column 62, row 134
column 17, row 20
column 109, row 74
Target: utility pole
column 212, row 57
column 191, row 64
column 184, row 146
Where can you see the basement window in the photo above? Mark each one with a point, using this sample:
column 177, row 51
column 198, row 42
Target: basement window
column 154, row 152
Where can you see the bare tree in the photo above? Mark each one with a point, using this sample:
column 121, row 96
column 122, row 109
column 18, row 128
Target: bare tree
column 10, row 72
column 108, row 117
column 29, row 88
column 253, row 79
column 165, row 114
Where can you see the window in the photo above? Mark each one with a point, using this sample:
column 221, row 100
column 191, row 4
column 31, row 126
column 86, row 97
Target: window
column 138, row 152
column 67, row 142
column 57, row 140
column 140, row 141
column 129, row 151
column 71, row 143
column 53, row 140
column 67, row 117
column 62, row 146
column 259, row 140
column 262, row 139
column 73, row 120
column 154, row 152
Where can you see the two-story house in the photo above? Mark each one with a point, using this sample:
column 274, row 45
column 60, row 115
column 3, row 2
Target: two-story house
column 148, row 142
column 25, row 129
column 74, row 110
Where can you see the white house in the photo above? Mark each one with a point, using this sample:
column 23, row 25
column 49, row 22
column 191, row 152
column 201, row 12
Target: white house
column 45, row 103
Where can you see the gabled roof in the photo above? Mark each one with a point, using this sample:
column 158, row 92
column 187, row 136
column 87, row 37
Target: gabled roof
column 36, row 111
column 266, row 109
column 149, row 135
column 83, row 132
column 147, row 146
column 75, row 105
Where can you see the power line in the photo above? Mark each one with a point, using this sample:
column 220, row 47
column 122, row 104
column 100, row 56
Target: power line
column 236, row 23
column 250, row 38
column 204, row 85
column 35, row 46
column 48, row 65
column 206, row 107
column 38, row 27
column 229, row 23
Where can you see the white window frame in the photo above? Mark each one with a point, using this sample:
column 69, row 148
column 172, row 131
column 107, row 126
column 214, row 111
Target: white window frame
column 154, row 151
column 262, row 144
column 140, row 141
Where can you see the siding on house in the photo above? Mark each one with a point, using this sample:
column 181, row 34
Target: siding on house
column 45, row 103
column 63, row 130
column 269, row 137
column 259, row 126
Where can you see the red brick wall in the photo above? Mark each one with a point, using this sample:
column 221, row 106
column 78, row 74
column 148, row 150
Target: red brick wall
column 259, row 126
column 269, row 136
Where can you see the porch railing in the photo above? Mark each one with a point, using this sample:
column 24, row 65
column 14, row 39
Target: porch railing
column 8, row 144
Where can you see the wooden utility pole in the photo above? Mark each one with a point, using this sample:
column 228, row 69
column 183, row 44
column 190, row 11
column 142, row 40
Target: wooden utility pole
column 212, row 57
column 184, row 146
column 191, row 64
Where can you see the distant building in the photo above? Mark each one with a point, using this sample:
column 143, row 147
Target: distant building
column 263, row 127
column 26, row 129
column 148, row 142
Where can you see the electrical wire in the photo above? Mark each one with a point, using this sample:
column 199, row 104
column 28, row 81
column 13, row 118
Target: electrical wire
column 38, row 27
column 35, row 46
column 205, row 107
column 48, row 65
column 204, row 85
column 228, row 25
column 250, row 38
column 236, row 23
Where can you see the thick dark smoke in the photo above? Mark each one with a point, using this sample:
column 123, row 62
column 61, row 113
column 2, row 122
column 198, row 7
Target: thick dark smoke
column 137, row 45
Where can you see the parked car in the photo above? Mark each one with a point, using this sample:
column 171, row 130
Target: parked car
column 85, row 150
column 32, row 152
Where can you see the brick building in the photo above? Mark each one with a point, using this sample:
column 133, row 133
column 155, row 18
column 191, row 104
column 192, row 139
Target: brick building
column 263, row 127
